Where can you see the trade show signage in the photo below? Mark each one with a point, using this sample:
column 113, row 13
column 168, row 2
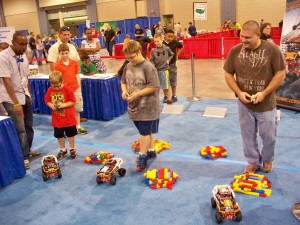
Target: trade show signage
column 288, row 93
column 6, row 34
column 200, row 11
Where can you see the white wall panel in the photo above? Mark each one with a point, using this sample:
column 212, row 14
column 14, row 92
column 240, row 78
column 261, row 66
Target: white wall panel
column 49, row 3
column 15, row 7
column 141, row 8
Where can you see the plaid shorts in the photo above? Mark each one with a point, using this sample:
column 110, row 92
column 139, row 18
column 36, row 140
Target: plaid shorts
column 173, row 74
column 164, row 79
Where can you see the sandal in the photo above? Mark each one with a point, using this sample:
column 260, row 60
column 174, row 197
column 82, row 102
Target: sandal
column 73, row 153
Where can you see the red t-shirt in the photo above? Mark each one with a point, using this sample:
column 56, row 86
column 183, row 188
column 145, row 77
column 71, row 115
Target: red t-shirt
column 69, row 73
column 94, row 33
column 66, row 116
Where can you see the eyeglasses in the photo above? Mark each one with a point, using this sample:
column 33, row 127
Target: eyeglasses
column 131, row 58
column 64, row 29
column 56, row 86
column 22, row 44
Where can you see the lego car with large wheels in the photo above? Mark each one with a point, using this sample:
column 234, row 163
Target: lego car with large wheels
column 224, row 200
column 106, row 173
column 50, row 167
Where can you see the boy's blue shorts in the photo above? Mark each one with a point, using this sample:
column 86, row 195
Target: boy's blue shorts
column 147, row 127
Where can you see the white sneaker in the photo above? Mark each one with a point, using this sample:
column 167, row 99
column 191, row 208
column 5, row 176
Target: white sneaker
column 27, row 164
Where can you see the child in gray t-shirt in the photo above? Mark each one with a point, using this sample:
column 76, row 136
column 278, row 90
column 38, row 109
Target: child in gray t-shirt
column 160, row 57
column 140, row 87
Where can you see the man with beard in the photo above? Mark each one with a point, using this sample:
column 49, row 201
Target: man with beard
column 253, row 70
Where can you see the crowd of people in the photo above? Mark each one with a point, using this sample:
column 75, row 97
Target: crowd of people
column 37, row 51
column 265, row 28
column 256, row 103
column 257, row 112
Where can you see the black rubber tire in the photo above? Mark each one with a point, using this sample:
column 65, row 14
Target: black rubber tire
column 113, row 180
column 59, row 175
column 45, row 178
column 219, row 217
column 99, row 180
column 122, row 172
column 213, row 202
column 238, row 216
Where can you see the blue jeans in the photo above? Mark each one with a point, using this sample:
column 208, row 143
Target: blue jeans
column 40, row 62
column 23, row 125
column 263, row 123
column 34, row 54
column 109, row 46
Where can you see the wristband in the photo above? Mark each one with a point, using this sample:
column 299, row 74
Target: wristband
column 16, row 104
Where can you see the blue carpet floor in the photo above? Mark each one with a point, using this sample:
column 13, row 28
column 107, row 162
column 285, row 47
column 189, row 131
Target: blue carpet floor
column 78, row 199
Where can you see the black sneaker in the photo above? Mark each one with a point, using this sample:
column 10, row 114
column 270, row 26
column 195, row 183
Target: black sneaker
column 34, row 154
column 61, row 154
column 151, row 155
column 174, row 98
column 141, row 163
column 169, row 102
column 165, row 99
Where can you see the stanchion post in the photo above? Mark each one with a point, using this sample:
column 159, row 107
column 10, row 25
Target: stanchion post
column 193, row 98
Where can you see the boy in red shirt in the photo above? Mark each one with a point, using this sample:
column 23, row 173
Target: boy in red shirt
column 70, row 71
column 95, row 33
column 61, row 100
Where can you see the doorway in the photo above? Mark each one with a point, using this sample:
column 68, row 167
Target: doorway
column 73, row 24
column 54, row 26
column 168, row 21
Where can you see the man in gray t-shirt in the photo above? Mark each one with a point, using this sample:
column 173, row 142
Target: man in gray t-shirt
column 259, row 69
column 140, row 87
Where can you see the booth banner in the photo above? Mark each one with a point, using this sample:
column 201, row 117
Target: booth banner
column 88, row 23
column 6, row 34
column 103, row 25
column 288, row 93
column 200, row 11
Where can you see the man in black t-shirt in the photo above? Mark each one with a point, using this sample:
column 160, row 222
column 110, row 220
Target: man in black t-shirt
column 144, row 41
column 109, row 38
column 32, row 46
column 139, row 32
column 173, row 44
